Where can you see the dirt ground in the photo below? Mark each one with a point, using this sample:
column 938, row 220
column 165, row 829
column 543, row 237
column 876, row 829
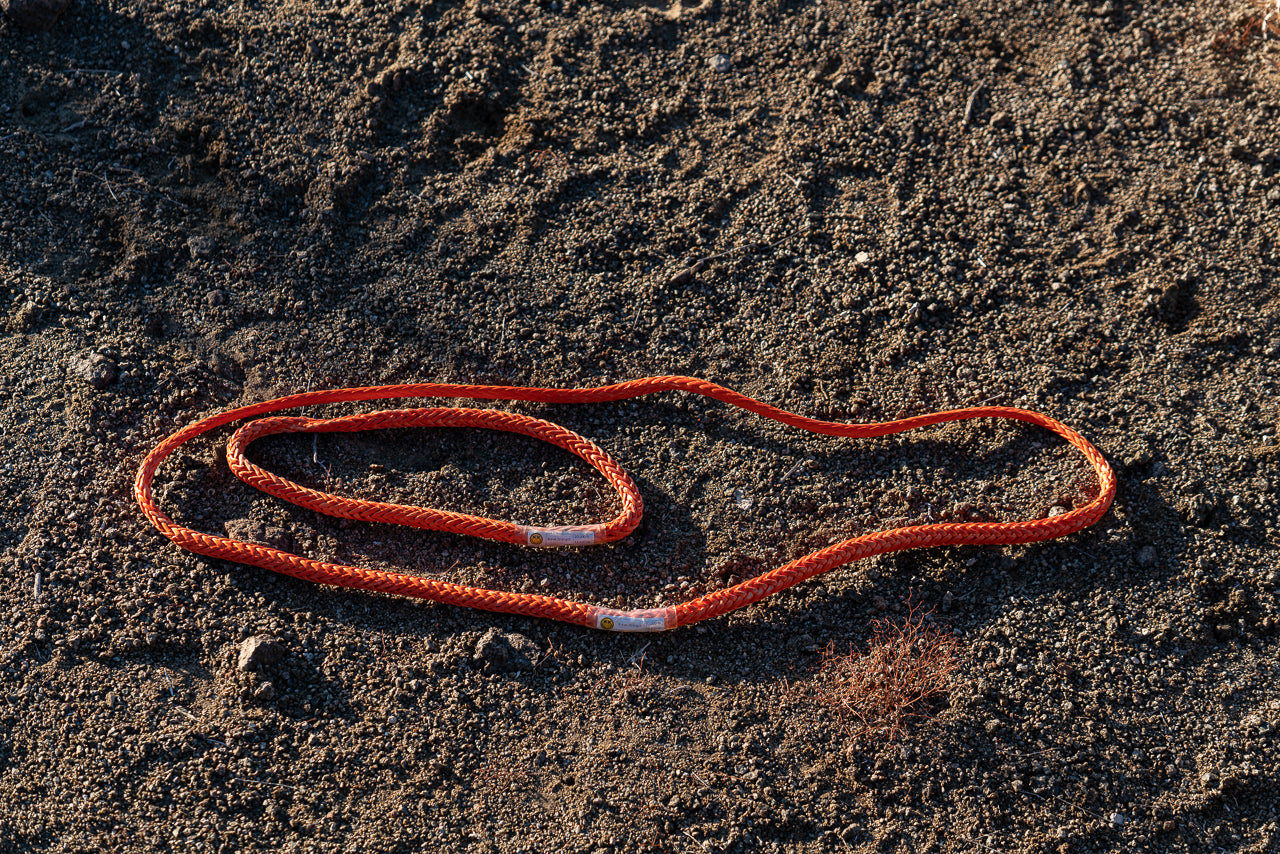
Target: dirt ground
column 907, row 206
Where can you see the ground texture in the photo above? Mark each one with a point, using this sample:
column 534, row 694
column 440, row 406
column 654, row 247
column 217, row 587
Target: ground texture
column 902, row 207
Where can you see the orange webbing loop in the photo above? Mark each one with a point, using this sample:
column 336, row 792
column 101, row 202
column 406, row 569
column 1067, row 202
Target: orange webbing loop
column 430, row 518
column 711, row 605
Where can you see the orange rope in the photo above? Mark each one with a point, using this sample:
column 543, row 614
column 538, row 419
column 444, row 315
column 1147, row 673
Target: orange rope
column 711, row 605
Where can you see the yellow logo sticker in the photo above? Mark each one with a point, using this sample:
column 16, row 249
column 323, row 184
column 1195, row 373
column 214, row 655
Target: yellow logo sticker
column 606, row 623
column 535, row 539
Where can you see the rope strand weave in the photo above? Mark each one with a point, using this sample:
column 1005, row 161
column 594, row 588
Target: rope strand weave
column 712, row 605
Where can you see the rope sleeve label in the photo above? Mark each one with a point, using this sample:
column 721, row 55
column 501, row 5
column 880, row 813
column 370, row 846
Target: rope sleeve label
column 552, row 538
column 657, row 620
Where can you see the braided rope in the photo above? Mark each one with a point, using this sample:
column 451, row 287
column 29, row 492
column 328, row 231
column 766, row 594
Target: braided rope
column 706, row 607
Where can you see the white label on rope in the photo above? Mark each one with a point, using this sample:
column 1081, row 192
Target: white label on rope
column 550, row 538
column 635, row 621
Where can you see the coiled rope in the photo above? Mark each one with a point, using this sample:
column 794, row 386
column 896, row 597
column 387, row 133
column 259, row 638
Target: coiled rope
column 578, row 613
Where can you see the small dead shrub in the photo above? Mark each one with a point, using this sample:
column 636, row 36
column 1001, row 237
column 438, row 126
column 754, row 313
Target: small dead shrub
column 907, row 667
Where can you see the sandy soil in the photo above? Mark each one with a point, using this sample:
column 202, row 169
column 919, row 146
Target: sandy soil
column 1070, row 206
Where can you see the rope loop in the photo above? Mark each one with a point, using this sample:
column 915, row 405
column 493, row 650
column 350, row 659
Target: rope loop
column 645, row 620
column 429, row 518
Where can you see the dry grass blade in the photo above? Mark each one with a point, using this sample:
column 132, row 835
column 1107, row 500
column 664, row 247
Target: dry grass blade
column 907, row 665
column 1270, row 10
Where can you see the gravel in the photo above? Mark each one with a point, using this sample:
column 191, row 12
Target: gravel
column 856, row 211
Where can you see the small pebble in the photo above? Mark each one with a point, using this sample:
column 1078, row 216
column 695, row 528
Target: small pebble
column 720, row 63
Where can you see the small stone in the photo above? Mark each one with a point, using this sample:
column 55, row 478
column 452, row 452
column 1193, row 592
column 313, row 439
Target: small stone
column 1117, row 819
column 721, row 63
column 265, row 691
column 505, row 652
column 258, row 651
column 201, row 246
column 862, row 259
column 95, row 369
column 1057, row 510
column 1147, row 556
column 1000, row 119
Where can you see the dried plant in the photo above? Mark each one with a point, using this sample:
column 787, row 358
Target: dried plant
column 908, row 665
